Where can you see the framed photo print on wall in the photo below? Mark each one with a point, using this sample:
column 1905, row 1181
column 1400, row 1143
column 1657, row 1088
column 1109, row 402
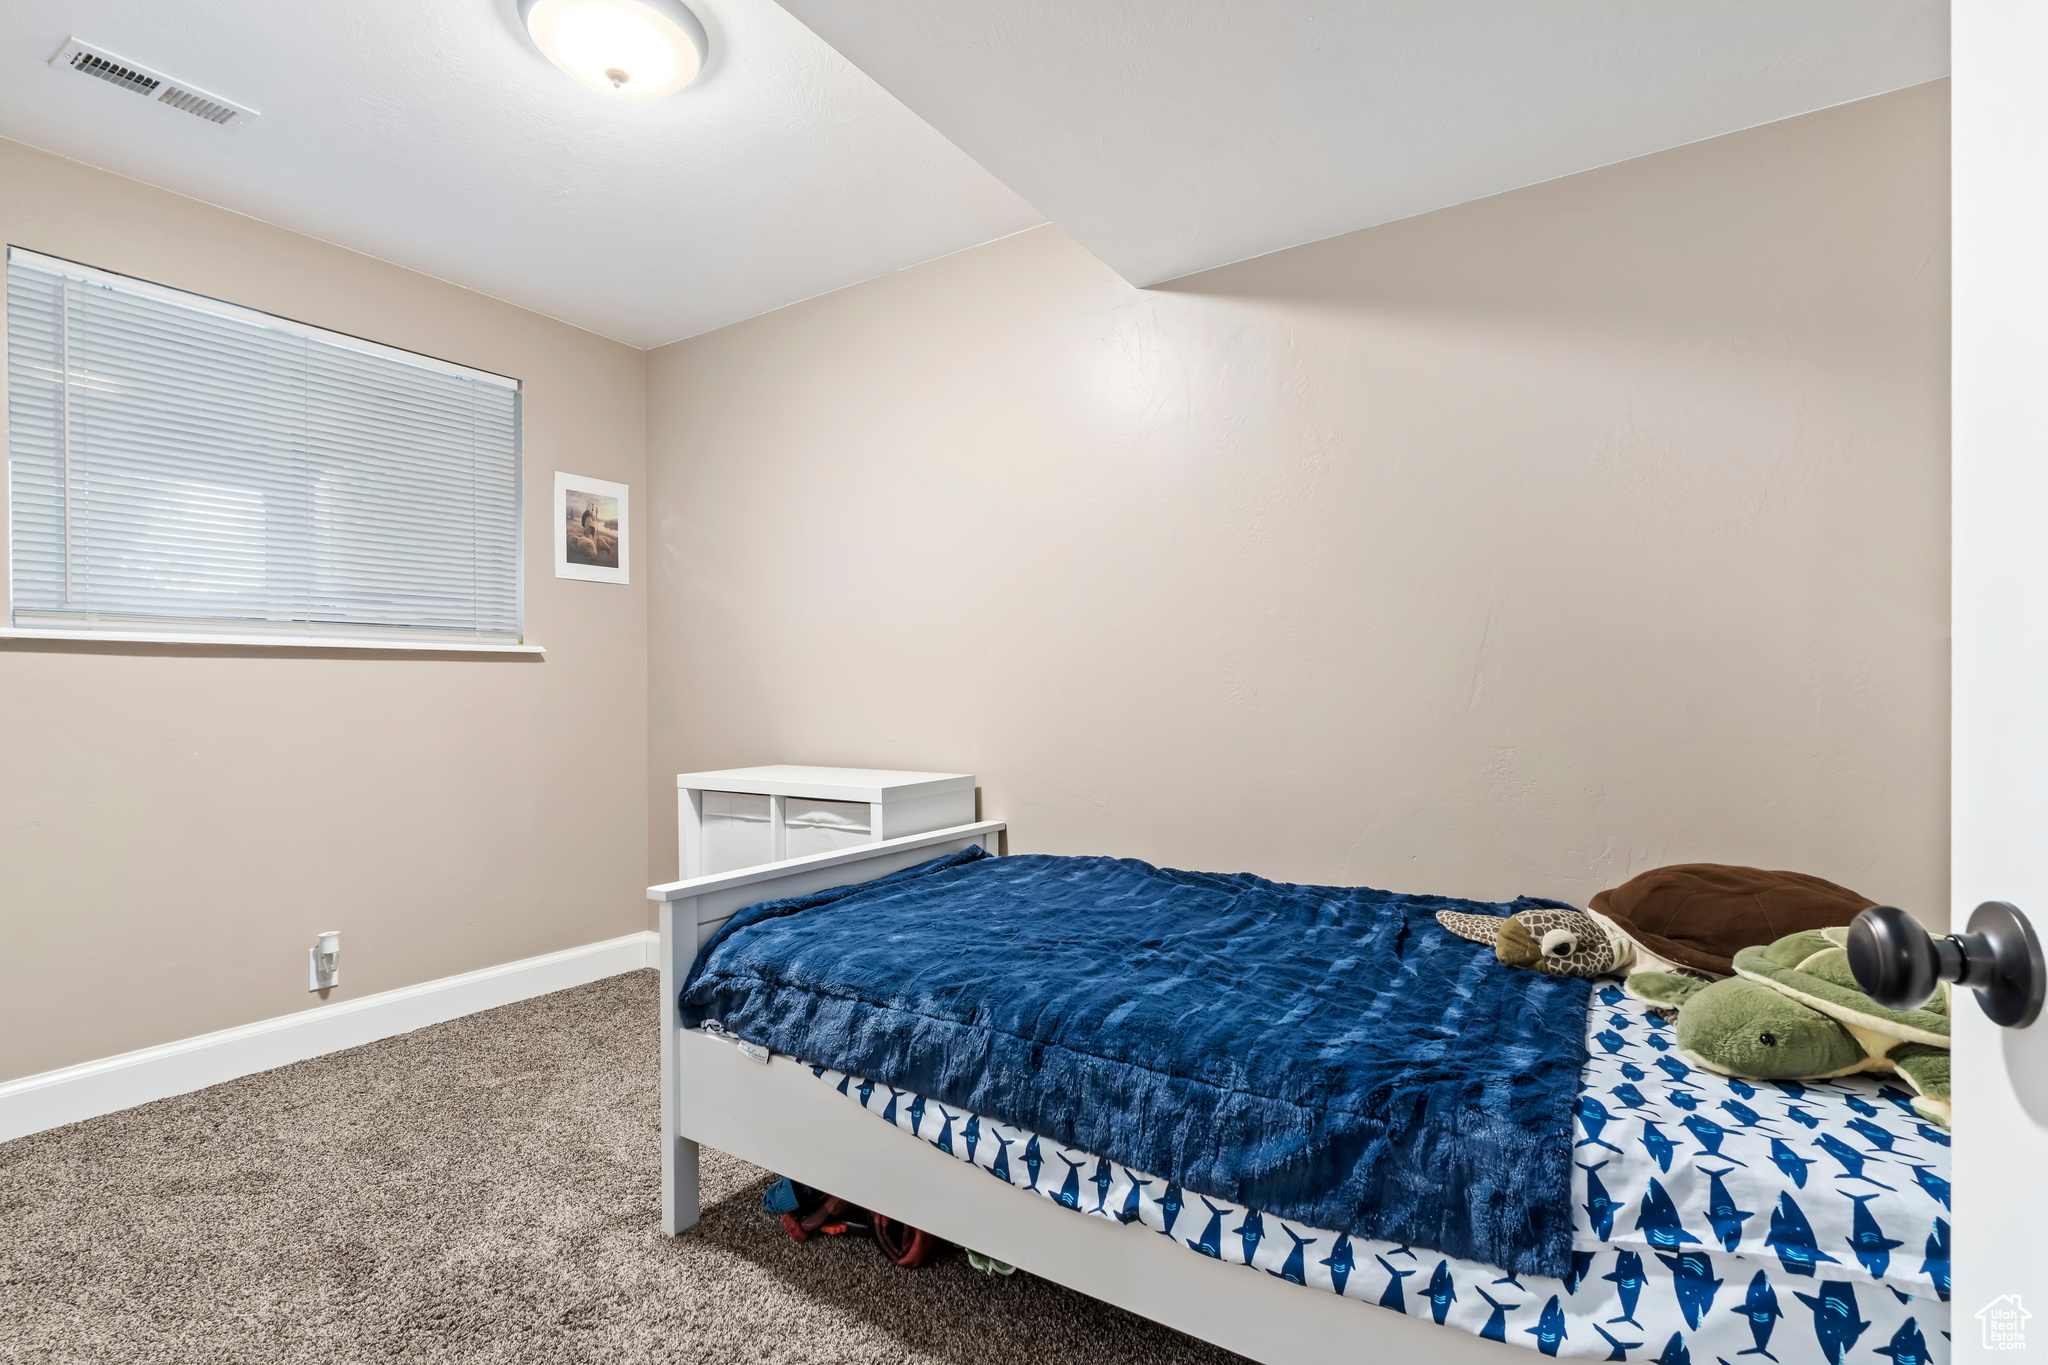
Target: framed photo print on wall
column 590, row 529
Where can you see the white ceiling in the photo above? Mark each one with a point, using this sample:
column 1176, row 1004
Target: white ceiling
column 432, row 134
column 1169, row 136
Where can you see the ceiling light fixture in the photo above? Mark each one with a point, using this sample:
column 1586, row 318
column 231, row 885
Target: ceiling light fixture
column 635, row 49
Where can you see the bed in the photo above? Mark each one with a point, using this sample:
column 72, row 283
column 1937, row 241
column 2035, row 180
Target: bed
column 1688, row 1238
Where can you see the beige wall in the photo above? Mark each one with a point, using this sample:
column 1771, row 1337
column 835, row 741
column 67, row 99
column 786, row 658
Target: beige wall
column 1514, row 548
column 444, row 813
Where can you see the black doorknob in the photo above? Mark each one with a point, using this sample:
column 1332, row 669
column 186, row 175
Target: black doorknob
column 1899, row 963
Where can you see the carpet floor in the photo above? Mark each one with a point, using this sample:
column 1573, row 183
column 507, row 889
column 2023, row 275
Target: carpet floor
column 483, row 1190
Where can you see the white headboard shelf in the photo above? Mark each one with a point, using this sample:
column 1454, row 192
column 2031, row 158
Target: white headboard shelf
column 746, row 817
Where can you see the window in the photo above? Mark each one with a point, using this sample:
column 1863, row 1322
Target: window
column 180, row 467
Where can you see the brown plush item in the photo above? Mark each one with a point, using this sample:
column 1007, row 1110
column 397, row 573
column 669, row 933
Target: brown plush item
column 1701, row 914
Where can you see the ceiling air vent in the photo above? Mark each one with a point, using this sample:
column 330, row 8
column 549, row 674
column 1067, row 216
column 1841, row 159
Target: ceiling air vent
column 118, row 71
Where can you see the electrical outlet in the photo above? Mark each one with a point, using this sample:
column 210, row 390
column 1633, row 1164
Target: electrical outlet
column 323, row 962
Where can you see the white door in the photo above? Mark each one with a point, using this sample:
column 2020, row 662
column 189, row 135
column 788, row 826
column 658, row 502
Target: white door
column 2000, row 703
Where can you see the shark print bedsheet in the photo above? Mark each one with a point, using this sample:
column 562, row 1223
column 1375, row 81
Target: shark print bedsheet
column 1716, row 1221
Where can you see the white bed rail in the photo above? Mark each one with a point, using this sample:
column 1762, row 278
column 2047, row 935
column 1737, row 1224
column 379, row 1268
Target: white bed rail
column 693, row 910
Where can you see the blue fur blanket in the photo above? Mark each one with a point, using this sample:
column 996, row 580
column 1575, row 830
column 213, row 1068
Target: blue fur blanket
column 1327, row 1054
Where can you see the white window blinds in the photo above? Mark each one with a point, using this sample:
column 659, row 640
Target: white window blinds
column 183, row 467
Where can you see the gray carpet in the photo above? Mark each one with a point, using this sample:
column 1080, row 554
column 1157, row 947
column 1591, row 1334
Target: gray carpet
column 483, row 1190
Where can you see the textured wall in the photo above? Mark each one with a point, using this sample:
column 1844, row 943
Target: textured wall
column 223, row 806
column 1513, row 548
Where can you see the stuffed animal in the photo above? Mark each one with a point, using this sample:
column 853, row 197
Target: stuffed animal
column 1558, row 942
column 1688, row 920
column 1793, row 1012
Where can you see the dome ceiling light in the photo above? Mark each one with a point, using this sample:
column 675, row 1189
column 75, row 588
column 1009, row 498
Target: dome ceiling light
column 634, row 49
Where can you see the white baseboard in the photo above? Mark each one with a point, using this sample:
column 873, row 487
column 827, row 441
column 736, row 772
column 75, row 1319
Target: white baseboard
column 54, row 1098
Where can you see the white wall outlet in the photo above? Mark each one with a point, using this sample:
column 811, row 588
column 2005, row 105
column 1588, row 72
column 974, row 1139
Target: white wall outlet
column 323, row 967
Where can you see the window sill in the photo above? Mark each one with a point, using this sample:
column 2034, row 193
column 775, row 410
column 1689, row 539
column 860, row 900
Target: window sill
column 139, row 637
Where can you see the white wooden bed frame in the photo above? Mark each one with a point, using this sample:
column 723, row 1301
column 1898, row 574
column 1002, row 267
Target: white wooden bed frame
column 776, row 1115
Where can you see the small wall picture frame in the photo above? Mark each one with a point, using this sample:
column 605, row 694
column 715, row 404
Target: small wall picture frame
column 592, row 529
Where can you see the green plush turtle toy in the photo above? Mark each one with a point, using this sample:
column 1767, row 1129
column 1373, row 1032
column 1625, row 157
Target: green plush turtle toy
column 1793, row 1012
